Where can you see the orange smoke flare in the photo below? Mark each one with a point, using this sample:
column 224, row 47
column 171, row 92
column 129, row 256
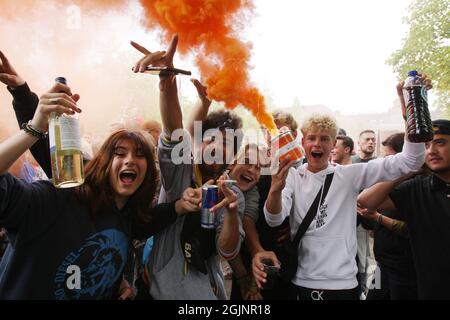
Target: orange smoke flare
column 205, row 27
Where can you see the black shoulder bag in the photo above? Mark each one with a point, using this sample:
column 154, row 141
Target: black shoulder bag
column 197, row 243
column 289, row 260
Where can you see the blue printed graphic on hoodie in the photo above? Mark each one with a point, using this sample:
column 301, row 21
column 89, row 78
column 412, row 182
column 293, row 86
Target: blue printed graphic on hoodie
column 92, row 270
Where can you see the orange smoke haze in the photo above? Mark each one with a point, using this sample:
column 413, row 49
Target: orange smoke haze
column 209, row 28
column 88, row 43
column 45, row 39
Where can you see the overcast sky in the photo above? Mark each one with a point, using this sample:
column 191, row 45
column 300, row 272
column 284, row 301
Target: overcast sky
column 328, row 52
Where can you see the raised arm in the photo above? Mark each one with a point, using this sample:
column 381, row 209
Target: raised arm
column 229, row 238
column 164, row 214
column 8, row 75
column 200, row 111
column 12, row 148
column 377, row 196
column 171, row 114
column 279, row 200
column 25, row 103
column 392, row 167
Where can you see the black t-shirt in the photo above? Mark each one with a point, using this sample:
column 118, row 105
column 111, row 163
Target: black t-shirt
column 393, row 251
column 267, row 235
column 58, row 249
column 425, row 202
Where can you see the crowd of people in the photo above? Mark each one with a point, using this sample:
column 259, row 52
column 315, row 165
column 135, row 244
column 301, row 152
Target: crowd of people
column 133, row 229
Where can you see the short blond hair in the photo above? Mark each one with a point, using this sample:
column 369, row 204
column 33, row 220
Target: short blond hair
column 285, row 119
column 323, row 122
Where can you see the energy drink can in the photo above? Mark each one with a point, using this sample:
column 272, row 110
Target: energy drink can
column 210, row 197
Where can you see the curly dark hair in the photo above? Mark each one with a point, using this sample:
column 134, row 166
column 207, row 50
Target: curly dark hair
column 222, row 119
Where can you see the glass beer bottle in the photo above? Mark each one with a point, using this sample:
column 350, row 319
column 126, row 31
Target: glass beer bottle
column 65, row 149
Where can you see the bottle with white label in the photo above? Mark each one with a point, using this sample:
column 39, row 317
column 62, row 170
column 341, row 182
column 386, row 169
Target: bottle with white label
column 65, row 149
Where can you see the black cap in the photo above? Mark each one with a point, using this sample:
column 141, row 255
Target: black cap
column 441, row 126
column 61, row 80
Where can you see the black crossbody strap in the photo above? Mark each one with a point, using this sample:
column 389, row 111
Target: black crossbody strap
column 312, row 212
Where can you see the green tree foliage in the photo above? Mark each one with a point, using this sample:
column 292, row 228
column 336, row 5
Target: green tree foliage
column 426, row 47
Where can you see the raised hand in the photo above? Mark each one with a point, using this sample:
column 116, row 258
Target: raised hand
column 191, row 200
column 157, row 58
column 425, row 81
column 8, row 74
column 58, row 99
column 202, row 91
column 230, row 198
column 279, row 178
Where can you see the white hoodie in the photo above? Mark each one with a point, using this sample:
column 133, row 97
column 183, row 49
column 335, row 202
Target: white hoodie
column 327, row 251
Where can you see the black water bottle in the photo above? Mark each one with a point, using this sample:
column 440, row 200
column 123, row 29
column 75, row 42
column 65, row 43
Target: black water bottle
column 418, row 119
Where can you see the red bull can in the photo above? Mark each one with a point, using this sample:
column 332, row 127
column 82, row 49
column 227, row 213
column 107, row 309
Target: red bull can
column 210, row 197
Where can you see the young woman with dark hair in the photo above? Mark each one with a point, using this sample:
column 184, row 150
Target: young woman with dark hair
column 73, row 243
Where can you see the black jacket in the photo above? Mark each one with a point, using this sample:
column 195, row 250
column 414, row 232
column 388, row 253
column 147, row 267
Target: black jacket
column 58, row 249
column 25, row 104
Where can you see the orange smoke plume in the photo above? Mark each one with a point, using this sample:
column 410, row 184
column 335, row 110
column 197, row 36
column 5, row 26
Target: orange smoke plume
column 205, row 26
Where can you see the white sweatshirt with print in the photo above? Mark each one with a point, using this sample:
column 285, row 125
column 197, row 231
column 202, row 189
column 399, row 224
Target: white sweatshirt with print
column 327, row 251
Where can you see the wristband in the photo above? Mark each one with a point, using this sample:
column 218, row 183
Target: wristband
column 33, row 131
column 379, row 219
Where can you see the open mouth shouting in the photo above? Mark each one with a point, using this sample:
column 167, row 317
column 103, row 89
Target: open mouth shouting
column 128, row 176
column 316, row 154
column 246, row 178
